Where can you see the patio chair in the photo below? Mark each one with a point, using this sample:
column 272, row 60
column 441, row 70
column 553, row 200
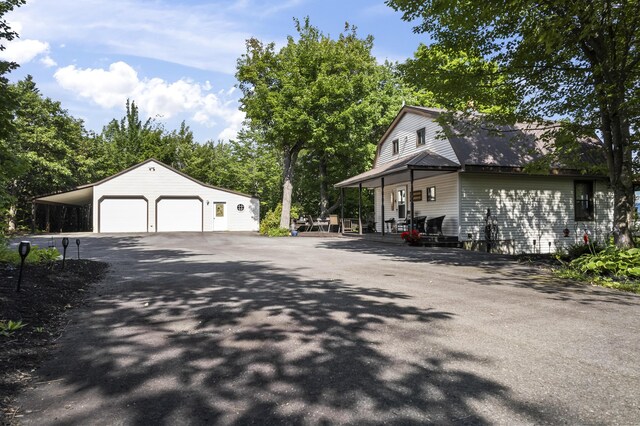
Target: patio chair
column 333, row 221
column 347, row 225
column 433, row 226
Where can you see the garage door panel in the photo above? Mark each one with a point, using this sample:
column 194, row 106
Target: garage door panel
column 174, row 215
column 123, row 215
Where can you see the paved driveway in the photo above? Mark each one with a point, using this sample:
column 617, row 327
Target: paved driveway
column 235, row 329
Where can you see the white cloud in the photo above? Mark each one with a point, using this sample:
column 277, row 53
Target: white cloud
column 48, row 62
column 24, row 51
column 155, row 97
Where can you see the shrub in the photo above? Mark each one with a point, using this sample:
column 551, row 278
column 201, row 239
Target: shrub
column 574, row 251
column 411, row 237
column 270, row 225
column 610, row 262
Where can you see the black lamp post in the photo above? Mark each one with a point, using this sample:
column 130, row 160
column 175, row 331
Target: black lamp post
column 65, row 244
column 23, row 249
column 78, row 244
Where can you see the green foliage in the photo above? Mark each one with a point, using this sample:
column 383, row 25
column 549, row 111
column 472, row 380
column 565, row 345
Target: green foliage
column 610, row 262
column 574, row 251
column 318, row 103
column 270, row 225
column 36, row 255
column 8, row 328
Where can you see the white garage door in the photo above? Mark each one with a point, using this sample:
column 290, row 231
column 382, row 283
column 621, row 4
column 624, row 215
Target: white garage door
column 123, row 215
column 183, row 214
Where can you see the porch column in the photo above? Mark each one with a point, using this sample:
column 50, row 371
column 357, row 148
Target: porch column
column 382, row 205
column 411, row 202
column 342, row 209
column 360, row 208
column 33, row 217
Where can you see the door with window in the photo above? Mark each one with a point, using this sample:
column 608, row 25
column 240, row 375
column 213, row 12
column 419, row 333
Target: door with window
column 219, row 217
column 401, row 196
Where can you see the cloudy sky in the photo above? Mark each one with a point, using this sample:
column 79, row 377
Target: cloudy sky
column 175, row 59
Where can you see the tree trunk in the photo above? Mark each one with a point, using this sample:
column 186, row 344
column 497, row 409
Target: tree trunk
column 290, row 158
column 324, row 190
column 12, row 218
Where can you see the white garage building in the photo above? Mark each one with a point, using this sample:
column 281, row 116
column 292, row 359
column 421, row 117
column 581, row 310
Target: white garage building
column 153, row 197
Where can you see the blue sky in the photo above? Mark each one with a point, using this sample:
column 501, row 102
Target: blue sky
column 176, row 59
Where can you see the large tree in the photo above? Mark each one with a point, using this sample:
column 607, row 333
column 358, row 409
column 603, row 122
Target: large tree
column 9, row 163
column 568, row 59
column 317, row 96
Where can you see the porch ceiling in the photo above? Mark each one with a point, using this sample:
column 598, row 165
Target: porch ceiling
column 424, row 164
column 76, row 197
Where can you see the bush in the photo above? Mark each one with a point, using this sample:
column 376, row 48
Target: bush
column 270, row 225
column 36, row 255
column 610, row 262
column 574, row 251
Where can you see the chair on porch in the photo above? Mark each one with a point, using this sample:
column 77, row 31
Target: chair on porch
column 347, row 225
column 334, row 222
column 433, row 226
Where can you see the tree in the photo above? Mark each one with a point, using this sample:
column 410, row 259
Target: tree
column 316, row 96
column 575, row 60
column 9, row 164
column 49, row 144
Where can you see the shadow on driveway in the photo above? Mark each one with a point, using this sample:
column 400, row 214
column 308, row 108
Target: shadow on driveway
column 189, row 340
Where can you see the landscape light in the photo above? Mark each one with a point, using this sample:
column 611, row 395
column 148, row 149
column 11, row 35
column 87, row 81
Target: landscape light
column 65, row 244
column 78, row 244
column 23, row 250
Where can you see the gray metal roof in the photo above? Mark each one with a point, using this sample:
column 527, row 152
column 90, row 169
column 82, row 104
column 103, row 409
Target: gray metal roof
column 424, row 161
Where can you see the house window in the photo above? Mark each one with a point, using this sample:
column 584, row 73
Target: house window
column 420, row 137
column 402, row 203
column 583, row 190
column 431, row 193
column 396, row 146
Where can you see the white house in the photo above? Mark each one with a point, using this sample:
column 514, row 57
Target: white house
column 461, row 175
column 153, row 197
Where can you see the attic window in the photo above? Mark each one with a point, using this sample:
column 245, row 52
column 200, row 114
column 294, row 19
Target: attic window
column 396, row 146
column 420, row 137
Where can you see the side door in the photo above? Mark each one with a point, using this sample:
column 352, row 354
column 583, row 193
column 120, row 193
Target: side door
column 220, row 217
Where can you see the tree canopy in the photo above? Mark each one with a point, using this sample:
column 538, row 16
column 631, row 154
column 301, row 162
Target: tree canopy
column 317, row 97
column 564, row 59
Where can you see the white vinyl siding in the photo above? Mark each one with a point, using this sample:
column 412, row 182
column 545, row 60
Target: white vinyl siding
column 406, row 133
column 123, row 215
column 154, row 181
column 446, row 201
column 528, row 208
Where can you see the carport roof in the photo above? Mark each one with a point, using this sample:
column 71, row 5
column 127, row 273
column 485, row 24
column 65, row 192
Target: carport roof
column 83, row 195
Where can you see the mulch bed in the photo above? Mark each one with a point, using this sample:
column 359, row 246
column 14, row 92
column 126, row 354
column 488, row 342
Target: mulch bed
column 47, row 293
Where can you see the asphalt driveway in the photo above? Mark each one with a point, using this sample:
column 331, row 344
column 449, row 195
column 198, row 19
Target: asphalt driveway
column 237, row 329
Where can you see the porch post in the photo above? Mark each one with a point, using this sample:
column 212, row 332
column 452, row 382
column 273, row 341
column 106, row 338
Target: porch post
column 48, row 220
column 411, row 202
column 360, row 208
column 33, row 217
column 342, row 209
column 382, row 205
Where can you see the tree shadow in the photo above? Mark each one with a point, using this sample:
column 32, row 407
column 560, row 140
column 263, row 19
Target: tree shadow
column 243, row 342
column 494, row 270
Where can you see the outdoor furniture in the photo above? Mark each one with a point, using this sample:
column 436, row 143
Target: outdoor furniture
column 347, row 225
column 418, row 223
column 333, row 221
column 390, row 224
column 433, row 226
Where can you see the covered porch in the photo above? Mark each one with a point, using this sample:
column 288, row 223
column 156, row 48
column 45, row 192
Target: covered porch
column 400, row 205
